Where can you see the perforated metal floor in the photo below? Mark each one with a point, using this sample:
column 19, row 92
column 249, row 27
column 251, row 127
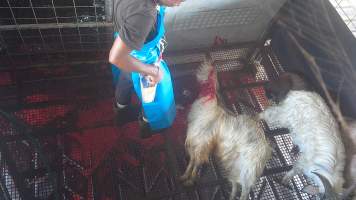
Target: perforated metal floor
column 159, row 180
column 93, row 159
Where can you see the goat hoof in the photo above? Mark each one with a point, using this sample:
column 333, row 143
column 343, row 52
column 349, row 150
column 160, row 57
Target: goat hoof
column 188, row 183
column 183, row 178
column 285, row 180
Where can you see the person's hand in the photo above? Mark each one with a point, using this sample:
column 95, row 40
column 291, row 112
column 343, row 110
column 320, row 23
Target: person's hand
column 156, row 77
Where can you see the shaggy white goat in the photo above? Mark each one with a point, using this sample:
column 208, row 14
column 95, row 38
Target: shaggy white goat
column 349, row 139
column 238, row 142
column 313, row 129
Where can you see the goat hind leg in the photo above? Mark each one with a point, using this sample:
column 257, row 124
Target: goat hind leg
column 188, row 172
column 191, row 172
column 234, row 190
column 198, row 156
column 192, row 175
column 246, row 185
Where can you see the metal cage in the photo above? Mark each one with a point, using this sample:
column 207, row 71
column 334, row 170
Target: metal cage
column 58, row 139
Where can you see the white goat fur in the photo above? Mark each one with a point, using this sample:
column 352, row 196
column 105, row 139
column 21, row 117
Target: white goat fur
column 237, row 141
column 315, row 131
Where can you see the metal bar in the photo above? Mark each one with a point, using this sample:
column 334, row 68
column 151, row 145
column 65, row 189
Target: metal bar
column 109, row 10
column 76, row 17
column 277, row 170
column 97, row 28
column 49, row 6
column 56, row 25
column 42, row 39
column 246, row 85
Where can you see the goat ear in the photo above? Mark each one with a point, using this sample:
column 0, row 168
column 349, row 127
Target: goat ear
column 311, row 189
column 278, row 89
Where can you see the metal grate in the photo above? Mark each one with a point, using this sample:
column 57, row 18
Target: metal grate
column 41, row 32
column 8, row 182
column 56, row 46
column 63, row 102
column 217, row 18
column 50, row 11
column 267, row 67
column 347, row 11
column 229, row 54
column 185, row 58
column 25, row 172
column 153, row 179
column 130, row 171
column 228, row 65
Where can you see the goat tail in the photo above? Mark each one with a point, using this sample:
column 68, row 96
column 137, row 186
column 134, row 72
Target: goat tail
column 206, row 71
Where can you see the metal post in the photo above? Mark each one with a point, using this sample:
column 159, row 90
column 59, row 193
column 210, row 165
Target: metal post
column 109, row 9
column 55, row 25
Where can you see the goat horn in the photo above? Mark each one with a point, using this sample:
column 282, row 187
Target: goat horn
column 327, row 187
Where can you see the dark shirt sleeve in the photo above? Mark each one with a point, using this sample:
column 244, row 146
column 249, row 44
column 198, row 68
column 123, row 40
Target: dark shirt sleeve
column 135, row 27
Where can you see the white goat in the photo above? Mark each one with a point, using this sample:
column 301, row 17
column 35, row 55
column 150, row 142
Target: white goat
column 313, row 129
column 238, row 142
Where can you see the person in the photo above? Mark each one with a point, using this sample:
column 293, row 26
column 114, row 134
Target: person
column 139, row 28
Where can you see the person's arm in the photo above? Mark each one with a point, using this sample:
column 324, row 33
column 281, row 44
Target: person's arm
column 120, row 57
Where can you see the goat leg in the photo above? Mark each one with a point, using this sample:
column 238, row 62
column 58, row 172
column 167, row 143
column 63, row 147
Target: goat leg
column 289, row 175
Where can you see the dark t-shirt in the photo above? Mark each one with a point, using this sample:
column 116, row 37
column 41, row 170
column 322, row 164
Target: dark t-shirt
column 135, row 21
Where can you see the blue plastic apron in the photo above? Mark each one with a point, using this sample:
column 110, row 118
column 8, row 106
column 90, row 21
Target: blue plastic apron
column 161, row 112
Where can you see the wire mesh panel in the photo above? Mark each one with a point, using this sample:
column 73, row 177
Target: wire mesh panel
column 54, row 102
column 56, row 46
column 96, row 160
column 49, row 11
column 347, row 11
column 141, row 172
column 42, row 32
column 69, row 104
column 318, row 43
column 26, row 173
